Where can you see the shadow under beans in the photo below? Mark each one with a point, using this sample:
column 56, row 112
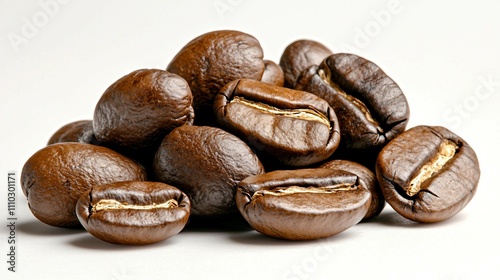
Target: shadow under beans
column 396, row 220
column 258, row 239
column 90, row 242
column 41, row 229
column 217, row 225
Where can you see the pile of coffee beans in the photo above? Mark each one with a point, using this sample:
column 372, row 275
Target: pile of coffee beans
column 301, row 149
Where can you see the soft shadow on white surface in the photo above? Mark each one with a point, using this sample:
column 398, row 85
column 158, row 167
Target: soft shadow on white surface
column 89, row 242
column 255, row 238
column 201, row 226
column 444, row 55
column 38, row 228
column 392, row 218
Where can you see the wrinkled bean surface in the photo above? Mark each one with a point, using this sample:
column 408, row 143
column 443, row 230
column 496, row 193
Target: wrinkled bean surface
column 428, row 173
column 293, row 127
column 302, row 204
column 366, row 178
column 206, row 163
column 55, row 177
column 211, row 60
column 300, row 55
column 370, row 106
column 140, row 108
column 133, row 212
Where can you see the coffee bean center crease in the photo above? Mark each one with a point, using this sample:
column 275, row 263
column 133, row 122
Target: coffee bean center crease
column 325, row 76
column 281, row 191
column 446, row 151
column 304, row 114
column 111, row 204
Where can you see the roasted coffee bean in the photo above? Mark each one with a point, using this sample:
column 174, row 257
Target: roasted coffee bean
column 366, row 179
column 370, row 106
column 295, row 128
column 77, row 131
column 140, row 108
column 206, row 163
column 273, row 74
column 302, row 204
column 214, row 59
column 428, row 173
column 133, row 212
column 300, row 55
column 54, row 178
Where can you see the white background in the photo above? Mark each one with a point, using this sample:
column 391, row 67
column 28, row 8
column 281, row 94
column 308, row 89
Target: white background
column 56, row 59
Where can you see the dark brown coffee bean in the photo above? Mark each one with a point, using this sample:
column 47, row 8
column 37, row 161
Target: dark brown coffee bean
column 139, row 109
column 273, row 74
column 214, row 59
column 206, row 163
column 366, row 179
column 133, row 212
column 428, row 173
column 370, row 106
column 77, row 131
column 302, row 204
column 293, row 127
column 300, row 55
column 55, row 177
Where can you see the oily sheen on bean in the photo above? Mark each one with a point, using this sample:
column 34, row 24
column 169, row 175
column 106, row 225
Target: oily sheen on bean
column 295, row 128
column 139, row 109
column 206, row 163
column 54, row 178
column 302, row 204
column 328, row 128
column 300, row 55
column 133, row 212
column 366, row 178
column 213, row 59
column 428, row 173
column 77, row 131
column 273, row 74
column 370, row 106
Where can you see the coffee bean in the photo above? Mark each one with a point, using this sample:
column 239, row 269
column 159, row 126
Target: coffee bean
column 300, row 55
column 211, row 60
column 273, row 74
column 370, row 106
column 133, row 212
column 206, row 163
column 217, row 118
column 293, row 127
column 55, row 177
column 302, row 204
column 428, row 173
column 366, row 179
column 77, row 131
column 139, row 109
